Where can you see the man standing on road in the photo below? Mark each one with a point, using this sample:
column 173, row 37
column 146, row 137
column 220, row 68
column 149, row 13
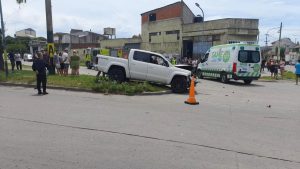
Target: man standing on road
column 297, row 66
column 39, row 66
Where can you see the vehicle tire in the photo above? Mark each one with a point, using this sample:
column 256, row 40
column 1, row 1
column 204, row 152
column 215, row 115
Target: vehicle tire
column 199, row 74
column 247, row 82
column 116, row 74
column 179, row 84
column 224, row 78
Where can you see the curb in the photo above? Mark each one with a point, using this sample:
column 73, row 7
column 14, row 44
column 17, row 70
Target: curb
column 83, row 90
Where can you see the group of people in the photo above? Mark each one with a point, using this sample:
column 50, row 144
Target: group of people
column 15, row 60
column 63, row 62
column 274, row 66
column 193, row 62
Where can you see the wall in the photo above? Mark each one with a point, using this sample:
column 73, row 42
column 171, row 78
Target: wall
column 187, row 15
column 167, row 12
column 118, row 43
column 162, row 42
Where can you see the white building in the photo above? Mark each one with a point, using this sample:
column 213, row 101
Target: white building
column 26, row 33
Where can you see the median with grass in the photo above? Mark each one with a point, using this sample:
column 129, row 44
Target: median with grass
column 84, row 82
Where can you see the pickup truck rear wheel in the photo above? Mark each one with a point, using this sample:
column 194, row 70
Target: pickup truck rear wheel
column 116, row 74
column 179, row 84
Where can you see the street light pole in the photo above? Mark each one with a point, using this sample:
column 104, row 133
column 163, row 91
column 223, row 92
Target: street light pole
column 3, row 41
column 200, row 9
column 279, row 41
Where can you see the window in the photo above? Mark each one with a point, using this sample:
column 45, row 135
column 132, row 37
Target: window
column 234, row 41
column 216, row 37
column 153, row 34
column 249, row 56
column 152, row 17
column 174, row 32
column 141, row 56
column 154, row 59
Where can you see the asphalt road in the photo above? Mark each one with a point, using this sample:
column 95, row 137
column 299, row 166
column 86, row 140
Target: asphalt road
column 235, row 126
column 83, row 70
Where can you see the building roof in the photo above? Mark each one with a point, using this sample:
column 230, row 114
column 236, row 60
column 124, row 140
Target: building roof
column 75, row 31
column 30, row 29
column 176, row 3
column 285, row 42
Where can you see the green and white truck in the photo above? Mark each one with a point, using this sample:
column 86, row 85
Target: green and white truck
column 231, row 61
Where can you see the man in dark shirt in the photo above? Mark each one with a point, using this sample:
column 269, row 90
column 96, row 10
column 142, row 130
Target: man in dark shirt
column 12, row 60
column 40, row 66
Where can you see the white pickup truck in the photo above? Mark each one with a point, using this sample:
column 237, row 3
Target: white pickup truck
column 147, row 66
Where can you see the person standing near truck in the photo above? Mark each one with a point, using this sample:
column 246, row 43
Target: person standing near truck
column 74, row 63
column 88, row 59
column 297, row 72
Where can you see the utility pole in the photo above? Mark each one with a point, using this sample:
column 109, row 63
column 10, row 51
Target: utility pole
column 3, row 42
column 50, row 39
column 267, row 39
column 278, row 51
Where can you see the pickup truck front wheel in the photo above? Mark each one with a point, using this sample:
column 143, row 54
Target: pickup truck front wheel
column 116, row 74
column 179, row 84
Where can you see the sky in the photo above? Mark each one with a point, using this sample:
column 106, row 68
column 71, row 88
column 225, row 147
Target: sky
column 125, row 16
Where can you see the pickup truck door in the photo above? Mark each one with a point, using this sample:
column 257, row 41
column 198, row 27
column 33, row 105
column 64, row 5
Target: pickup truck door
column 158, row 70
column 138, row 65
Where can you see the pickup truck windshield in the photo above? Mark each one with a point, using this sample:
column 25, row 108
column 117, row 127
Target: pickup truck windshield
column 248, row 56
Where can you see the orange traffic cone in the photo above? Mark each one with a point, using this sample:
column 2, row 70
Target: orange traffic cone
column 192, row 100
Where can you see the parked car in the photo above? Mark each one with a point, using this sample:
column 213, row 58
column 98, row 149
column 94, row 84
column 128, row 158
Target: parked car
column 147, row 66
column 27, row 57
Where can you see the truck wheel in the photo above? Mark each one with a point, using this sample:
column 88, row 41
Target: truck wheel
column 116, row 74
column 179, row 85
column 224, row 78
column 199, row 74
column 247, row 82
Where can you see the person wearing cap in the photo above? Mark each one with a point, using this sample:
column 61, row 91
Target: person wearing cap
column 74, row 63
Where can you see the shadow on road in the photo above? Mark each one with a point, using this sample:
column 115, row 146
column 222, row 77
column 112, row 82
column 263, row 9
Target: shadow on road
column 237, row 83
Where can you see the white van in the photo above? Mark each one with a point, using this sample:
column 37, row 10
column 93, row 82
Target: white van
column 231, row 61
